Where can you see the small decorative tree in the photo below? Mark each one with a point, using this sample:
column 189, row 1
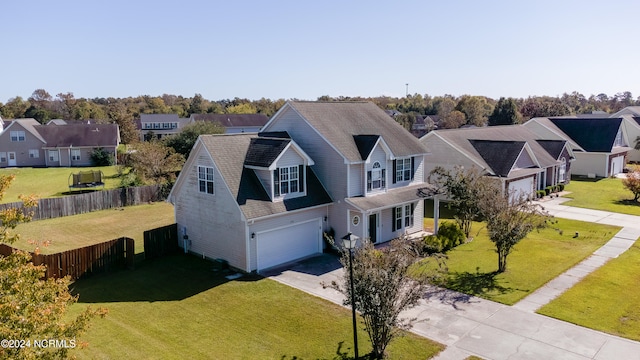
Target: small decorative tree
column 384, row 286
column 632, row 183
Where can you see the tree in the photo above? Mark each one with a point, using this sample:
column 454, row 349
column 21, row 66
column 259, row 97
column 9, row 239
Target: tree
column 183, row 142
column 119, row 114
column 33, row 309
column 505, row 113
column 632, row 183
column 464, row 189
column 153, row 162
column 197, row 105
column 452, row 120
column 383, row 288
column 509, row 219
column 475, row 108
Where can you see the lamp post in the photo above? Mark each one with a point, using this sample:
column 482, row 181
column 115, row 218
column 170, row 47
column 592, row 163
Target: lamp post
column 349, row 242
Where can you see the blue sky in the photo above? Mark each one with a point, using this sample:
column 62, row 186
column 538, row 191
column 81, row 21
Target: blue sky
column 306, row 49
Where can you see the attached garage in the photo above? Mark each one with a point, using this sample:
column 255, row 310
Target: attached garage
column 522, row 186
column 282, row 245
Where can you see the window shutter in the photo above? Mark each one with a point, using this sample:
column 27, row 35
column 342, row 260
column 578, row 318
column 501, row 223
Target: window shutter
column 413, row 166
column 393, row 218
column 393, row 179
column 302, row 176
column 276, row 182
column 368, row 180
column 384, row 179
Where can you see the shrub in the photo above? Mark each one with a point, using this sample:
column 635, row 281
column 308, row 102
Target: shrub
column 548, row 190
column 540, row 194
column 101, row 157
column 431, row 244
column 560, row 187
column 449, row 236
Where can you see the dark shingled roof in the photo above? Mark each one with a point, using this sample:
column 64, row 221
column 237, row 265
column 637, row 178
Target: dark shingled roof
column 264, row 151
column 339, row 121
column 233, row 120
column 228, row 152
column 397, row 196
column 365, row 144
column 275, row 134
column 499, row 155
column 553, row 147
column 593, row 135
column 78, row 135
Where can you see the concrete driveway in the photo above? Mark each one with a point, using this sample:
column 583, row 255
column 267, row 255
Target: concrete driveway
column 474, row 326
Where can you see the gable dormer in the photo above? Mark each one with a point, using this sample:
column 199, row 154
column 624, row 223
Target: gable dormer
column 280, row 165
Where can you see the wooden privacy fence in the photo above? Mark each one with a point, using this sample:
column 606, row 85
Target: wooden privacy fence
column 103, row 257
column 160, row 241
column 50, row 208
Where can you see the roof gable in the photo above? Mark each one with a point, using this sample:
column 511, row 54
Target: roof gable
column 365, row 144
column 553, row 147
column 501, row 156
column 229, row 152
column 339, row 122
column 263, row 152
column 593, row 135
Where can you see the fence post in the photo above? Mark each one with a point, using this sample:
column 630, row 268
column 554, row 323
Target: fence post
column 130, row 253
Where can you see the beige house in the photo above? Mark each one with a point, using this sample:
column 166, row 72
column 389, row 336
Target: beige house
column 262, row 200
column 24, row 142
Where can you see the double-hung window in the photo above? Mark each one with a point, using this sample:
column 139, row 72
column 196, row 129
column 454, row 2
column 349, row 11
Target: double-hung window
column 34, row 153
column 408, row 215
column 404, row 169
column 205, row 179
column 402, row 217
column 75, row 155
column 3, row 157
column 53, row 155
column 288, row 180
column 17, row 135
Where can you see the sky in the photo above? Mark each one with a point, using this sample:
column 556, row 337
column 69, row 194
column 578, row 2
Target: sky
column 301, row 49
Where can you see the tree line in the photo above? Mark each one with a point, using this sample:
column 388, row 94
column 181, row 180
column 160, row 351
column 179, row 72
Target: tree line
column 453, row 111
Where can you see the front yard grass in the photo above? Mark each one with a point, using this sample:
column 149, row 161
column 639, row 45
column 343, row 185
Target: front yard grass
column 177, row 307
column 51, row 182
column 606, row 300
column 70, row 232
column 537, row 259
column 601, row 194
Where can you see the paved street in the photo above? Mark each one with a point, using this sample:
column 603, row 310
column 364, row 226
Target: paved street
column 474, row 326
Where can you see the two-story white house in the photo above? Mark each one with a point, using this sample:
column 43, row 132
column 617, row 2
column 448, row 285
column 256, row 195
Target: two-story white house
column 261, row 200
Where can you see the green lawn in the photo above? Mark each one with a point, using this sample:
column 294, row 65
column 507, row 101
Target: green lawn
column 70, row 232
column 607, row 299
column 601, row 194
column 50, row 182
column 537, row 259
column 177, row 307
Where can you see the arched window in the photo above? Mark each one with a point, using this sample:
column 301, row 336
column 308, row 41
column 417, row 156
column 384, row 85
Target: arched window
column 376, row 177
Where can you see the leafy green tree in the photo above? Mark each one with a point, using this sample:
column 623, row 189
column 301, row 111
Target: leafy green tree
column 505, row 113
column 509, row 219
column 197, row 105
column 33, row 309
column 245, row 108
column 102, row 157
column 463, row 188
column 15, row 108
column 152, row 162
column 475, row 108
column 452, row 120
column 119, row 114
column 383, row 288
column 183, row 142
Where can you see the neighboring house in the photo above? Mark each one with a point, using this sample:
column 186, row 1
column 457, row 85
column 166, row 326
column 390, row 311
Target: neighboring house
column 24, row 142
column 234, row 123
column 160, row 125
column 599, row 145
column 261, row 200
column 512, row 154
column 631, row 122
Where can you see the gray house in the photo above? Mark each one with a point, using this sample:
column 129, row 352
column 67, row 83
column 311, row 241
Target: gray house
column 261, row 200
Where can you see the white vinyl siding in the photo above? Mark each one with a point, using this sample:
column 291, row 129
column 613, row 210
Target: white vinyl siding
column 54, row 156
column 75, row 155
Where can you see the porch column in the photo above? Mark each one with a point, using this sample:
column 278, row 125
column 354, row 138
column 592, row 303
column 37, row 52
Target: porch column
column 436, row 214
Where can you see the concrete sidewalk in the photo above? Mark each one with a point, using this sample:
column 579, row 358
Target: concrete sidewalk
column 474, row 326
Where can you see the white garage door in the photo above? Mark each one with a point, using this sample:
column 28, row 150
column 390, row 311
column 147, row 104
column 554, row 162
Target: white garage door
column 287, row 244
column 522, row 186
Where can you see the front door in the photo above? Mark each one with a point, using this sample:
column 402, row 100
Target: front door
column 12, row 158
column 373, row 228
